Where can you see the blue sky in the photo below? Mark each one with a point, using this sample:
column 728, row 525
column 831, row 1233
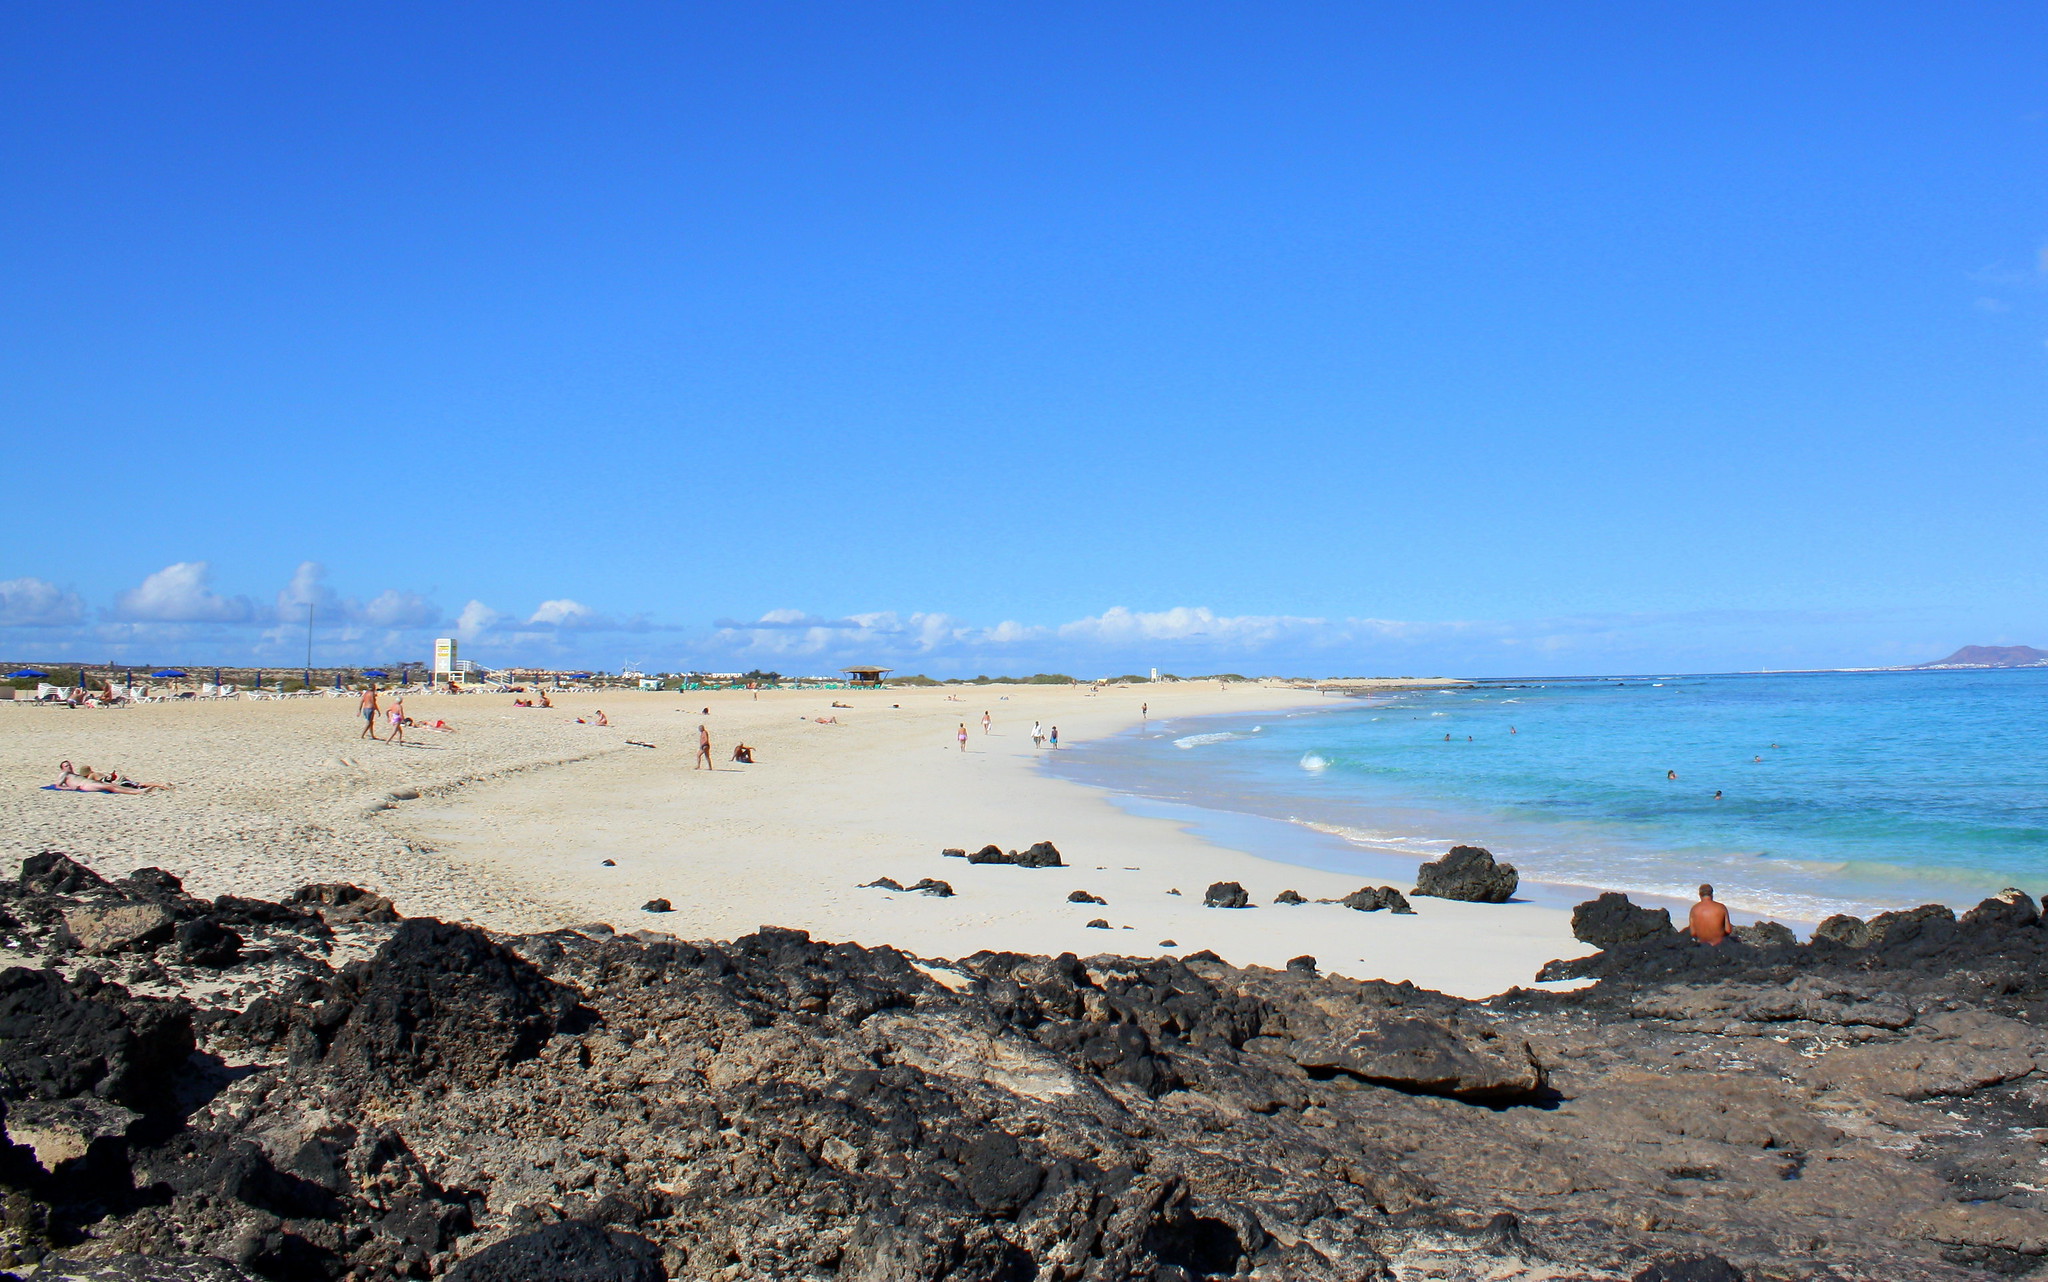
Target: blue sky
column 977, row 338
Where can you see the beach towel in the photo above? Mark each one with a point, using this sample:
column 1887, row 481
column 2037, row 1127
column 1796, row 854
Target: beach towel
column 51, row 787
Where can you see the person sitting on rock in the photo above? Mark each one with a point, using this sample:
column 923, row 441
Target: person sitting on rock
column 1709, row 924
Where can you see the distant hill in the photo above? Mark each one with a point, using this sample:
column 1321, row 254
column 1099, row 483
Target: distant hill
column 1991, row 656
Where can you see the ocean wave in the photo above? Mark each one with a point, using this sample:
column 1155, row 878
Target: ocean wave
column 1197, row 740
column 1310, row 761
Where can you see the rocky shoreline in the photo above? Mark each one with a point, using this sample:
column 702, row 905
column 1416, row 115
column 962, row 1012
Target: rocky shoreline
column 321, row 1088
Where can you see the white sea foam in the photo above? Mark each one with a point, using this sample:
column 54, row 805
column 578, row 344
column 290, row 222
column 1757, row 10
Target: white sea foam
column 1197, row 740
column 1310, row 761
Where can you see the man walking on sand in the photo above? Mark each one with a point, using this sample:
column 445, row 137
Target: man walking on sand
column 703, row 750
column 1709, row 923
column 368, row 708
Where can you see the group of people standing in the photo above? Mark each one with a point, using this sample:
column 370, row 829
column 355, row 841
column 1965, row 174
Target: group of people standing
column 1038, row 734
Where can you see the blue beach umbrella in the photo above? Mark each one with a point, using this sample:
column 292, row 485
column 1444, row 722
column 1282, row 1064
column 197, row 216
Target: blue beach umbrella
column 579, row 676
column 376, row 672
column 27, row 674
column 167, row 674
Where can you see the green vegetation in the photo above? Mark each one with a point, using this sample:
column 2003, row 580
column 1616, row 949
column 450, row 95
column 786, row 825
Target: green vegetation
column 1130, row 679
column 1035, row 679
column 918, row 680
column 760, row 676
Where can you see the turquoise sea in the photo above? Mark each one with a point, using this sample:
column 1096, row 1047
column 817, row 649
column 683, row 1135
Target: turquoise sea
column 1839, row 792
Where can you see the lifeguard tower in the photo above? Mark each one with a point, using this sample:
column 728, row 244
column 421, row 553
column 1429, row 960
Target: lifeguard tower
column 866, row 677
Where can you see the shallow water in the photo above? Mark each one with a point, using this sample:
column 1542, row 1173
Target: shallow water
column 1840, row 792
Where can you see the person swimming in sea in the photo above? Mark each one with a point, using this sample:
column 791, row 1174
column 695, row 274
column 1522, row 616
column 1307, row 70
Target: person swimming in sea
column 1671, row 774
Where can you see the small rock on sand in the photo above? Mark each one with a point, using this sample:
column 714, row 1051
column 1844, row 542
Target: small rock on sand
column 1226, row 894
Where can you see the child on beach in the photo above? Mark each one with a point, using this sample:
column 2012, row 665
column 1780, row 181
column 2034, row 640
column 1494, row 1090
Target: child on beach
column 963, row 736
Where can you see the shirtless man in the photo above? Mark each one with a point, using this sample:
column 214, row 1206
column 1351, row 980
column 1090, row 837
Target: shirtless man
column 69, row 780
column 368, row 707
column 703, row 750
column 1709, row 923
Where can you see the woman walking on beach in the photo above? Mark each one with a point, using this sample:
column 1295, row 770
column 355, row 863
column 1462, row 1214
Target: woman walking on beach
column 397, row 716
column 984, row 723
column 1037, row 735
column 1055, row 736
column 368, row 708
column 962, row 736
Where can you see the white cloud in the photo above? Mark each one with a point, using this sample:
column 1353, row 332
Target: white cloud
column 37, row 603
column 394, row 609
column 179, row 594
column 475, row 620
column 564, row 614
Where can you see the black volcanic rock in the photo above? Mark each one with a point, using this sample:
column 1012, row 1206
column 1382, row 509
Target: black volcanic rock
column 572, row 1251
column 339, row 904
column 1612, row 919
column 439, row 1001
column 1468, row 873
column 1226, row 894
column 59, row 1040
column 1042, row 854
column 582, row 1103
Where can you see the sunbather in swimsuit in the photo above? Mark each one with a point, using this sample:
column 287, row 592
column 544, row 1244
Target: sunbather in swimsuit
column 69, row 780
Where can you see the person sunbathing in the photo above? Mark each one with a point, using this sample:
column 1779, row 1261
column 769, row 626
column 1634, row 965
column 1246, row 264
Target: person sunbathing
column 115, row 776
column 69, row 780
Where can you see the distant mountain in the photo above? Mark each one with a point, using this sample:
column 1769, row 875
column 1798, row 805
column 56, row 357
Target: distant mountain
column 1991, row 656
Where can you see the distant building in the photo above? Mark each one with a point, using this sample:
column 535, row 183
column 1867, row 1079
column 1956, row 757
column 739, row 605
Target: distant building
column 864, row 676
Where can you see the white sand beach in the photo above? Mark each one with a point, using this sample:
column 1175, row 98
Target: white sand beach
column 519, row 809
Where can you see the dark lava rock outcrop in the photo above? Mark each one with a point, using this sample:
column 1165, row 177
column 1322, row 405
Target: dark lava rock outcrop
column 1468, row 873
column 1041, row 854
column 1226, row 894
column 1612, row 919
column 581, row 1104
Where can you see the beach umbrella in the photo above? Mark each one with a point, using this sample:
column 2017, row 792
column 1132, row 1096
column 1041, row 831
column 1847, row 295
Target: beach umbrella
column 27, row 674
column 337, row 681
column 579, row 676
column 376, row 672
column 167, row 674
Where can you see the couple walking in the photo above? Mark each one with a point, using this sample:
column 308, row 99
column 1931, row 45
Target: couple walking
column 1038, row 736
